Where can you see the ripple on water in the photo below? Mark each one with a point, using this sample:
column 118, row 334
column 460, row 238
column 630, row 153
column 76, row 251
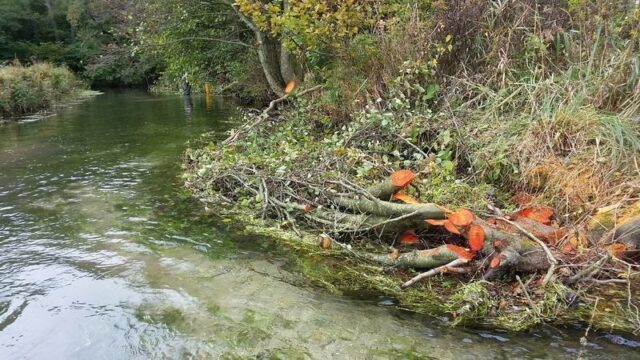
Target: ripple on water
column 99, row 258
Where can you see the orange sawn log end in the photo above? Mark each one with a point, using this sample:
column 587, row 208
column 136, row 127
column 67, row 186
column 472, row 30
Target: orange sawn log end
column 402, row 178
column 539, row 214
column 290, row 86
column 405, row 198
column 409, row 238
column 475, row 237
column 461, row 217
column 461, row 252
column 451, row 228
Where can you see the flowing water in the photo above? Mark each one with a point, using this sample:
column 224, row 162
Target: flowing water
column 102, row 256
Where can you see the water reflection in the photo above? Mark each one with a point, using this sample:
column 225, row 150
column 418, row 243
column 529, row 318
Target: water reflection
column 208, row 100
column 188, row 105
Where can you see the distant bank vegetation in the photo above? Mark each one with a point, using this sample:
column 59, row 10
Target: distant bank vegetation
column 29, row 89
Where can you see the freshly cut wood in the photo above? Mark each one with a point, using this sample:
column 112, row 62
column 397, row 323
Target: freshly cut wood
column 290, row 86
column 549, row 234
column 451, row 227
column 402, row 178
column 475, row 237
column 405, row 198
column 396, row 182
column 461, row 218
column 457, row 221
column 325, row 241
column 409, row 238
column 540, row 214
column 435, row 222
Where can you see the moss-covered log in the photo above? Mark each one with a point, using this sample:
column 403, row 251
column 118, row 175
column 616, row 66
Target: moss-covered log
column 340, row 222
column 390, row 210
column 424, row 259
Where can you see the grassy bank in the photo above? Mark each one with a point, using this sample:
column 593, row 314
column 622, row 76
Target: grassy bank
column 508, row 104
column 30, row 89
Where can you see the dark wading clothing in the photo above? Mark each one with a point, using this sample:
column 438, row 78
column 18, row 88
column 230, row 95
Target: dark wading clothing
column 186, row 87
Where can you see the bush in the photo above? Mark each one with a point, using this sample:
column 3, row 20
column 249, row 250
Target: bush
column 25, row 90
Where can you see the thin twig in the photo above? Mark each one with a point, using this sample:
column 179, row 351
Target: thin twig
column 526, row 293
column 265, row 114
column 413, row 146
column 432, row 272
column 588, row 271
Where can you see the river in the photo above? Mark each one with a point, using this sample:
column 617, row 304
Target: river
column 103, row 256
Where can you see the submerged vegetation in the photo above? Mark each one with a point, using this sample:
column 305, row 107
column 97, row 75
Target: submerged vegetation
column 26, row 90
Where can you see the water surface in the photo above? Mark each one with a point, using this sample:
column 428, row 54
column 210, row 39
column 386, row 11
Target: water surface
column 102, row 256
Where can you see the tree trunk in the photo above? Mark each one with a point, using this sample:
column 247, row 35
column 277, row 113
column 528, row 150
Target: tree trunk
column 289, row 68
column 268, row 54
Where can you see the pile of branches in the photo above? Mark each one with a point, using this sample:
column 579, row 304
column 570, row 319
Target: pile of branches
column 488, row 244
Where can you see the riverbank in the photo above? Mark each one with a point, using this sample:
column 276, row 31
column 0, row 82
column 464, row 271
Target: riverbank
column 40, row 87
column 279, row 188
column 495, row 161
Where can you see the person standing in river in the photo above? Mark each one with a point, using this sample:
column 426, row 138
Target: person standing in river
column 184, row 84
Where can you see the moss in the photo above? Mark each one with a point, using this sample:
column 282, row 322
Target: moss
column 470, row 302
column 476, row 304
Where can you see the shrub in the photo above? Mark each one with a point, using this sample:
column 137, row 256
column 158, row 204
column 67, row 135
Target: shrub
column 31, row 89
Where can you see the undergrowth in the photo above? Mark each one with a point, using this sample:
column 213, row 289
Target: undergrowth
column 533, row 97
column 25, row 90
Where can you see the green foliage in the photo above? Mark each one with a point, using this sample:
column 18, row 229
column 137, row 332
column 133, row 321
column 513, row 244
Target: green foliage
column 26, row 90
column 315, row 25
column 90, row 37
column 205, row 39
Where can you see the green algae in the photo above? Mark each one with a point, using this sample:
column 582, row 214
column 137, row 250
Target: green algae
column 470, row 304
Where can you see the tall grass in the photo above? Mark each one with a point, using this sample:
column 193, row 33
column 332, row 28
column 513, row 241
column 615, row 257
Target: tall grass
column 25, row 90
column 557, row 114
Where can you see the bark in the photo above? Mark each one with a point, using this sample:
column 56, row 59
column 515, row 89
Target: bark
column 268, row 54
column 499, row 240
column 289, row 68
column 452, row 266
column 419, row 259
column 627, row 234
column 390, row 210
column 511, row 261
column 384, row 190
column 341, row 222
